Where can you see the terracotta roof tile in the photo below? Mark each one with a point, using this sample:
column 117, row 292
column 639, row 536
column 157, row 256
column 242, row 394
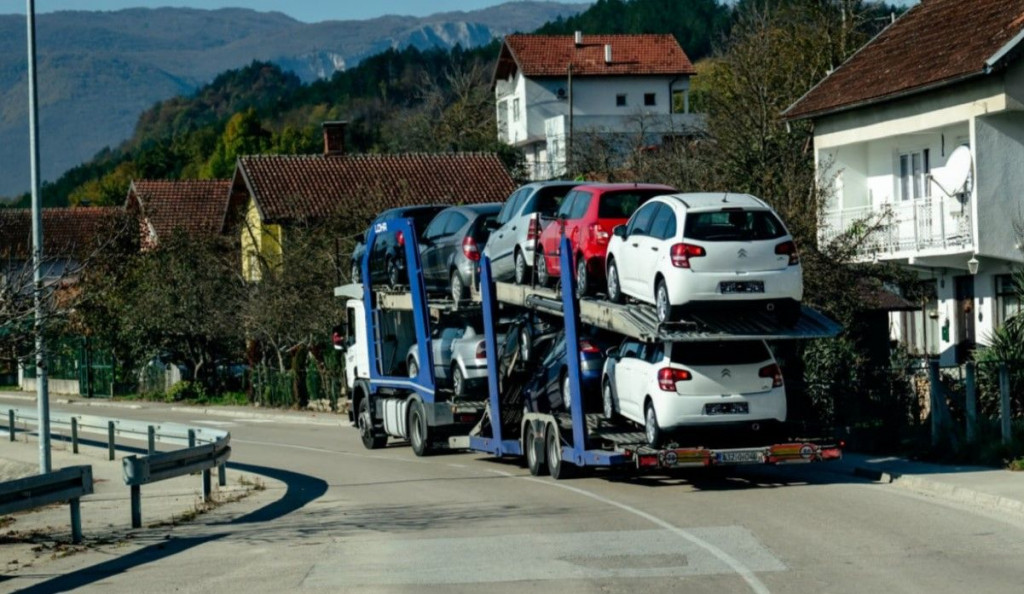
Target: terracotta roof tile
column 632, row 55
column 935, row 43
column 66, row 231
column 197, row 207
column 295, row 187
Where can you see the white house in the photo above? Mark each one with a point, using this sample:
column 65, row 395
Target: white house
column 922, row 134
column 549, row 89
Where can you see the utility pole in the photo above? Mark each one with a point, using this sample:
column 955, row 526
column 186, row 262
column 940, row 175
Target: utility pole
column 568, row 152
column 42, row 389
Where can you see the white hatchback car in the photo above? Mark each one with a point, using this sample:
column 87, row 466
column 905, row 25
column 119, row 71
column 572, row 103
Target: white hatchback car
column 687, row 251
column 673, row 385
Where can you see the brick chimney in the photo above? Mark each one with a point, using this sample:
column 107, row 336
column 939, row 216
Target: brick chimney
column 334, row 138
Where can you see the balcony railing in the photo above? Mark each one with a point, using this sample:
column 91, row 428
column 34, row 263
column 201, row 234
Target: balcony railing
column 926, row 224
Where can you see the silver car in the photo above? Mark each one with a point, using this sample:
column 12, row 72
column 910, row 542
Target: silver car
column 510, row 246
column 460, row 359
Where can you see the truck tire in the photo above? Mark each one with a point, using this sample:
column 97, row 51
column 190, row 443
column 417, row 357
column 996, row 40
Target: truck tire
column 534, row 458
column 419, row 432
column 372, row 439
column 559, row 469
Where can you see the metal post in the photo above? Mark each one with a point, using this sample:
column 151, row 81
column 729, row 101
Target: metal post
column 207, row 489
column 1004, row 402
column 152, row 440
column 222, row 475
column 933, row 384
column 136, row 506
column 110, row 440
column 42, row 388
column 191, row 438
column 74, row 435
column 971, row 404
column 10, row 422
column 76, row 520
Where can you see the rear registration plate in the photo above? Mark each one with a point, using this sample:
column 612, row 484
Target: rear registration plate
column 741, row 287
column 741, row 457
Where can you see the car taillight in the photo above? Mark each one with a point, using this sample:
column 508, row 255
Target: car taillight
column 668, row 377
column 400, row 238
column 533, row 231
column 469, row 249
column 788, row 248
column 682, row 252
column 599, row 234
column 481, row 350
column 587, row 347
column 773, row 372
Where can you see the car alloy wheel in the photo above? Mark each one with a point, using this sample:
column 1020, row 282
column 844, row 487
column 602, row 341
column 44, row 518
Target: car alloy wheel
column 651, row 429
column 581, row 276
column 458, row 382
column 521, row 270
column 355, row 273
column 393, row 277
column 608, row 400
column 525, row 345
column 566, row 392
column 614, row 290
column 414, row 369
column 661, row 302
column 543, row 278
column 458, row 289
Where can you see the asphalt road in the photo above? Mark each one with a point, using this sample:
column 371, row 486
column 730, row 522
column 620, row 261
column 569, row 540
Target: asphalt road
column 338, row 518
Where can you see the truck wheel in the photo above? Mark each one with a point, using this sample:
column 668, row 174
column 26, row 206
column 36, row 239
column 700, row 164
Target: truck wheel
column 419, row 436
column 372, row 439
column 558, row 468
column 534, row 452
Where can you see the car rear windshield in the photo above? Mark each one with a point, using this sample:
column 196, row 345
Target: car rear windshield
column 733, row 225
column 422, row 218
column 740, row 352
column 622, row 205
column 548, row 198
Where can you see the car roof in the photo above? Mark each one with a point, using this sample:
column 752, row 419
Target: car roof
column 717, row 200
column 412, row 208
column 477, row 209
column 605, row 187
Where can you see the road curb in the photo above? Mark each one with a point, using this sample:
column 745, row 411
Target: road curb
column 957, row 494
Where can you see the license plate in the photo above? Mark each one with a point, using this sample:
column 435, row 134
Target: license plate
column 727, row 408
column 740, row 456
column 741, row 287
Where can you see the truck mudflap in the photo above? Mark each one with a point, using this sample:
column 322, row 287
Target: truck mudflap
column 785, row 453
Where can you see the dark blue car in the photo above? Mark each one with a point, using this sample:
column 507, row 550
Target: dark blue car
column 548, row 390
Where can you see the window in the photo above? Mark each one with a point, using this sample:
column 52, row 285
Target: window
column 641, row 221
column 680, row 101
column 733, row 225
column 547, row 199
column 664, row 225
column 736, row 352
column 620, row 100
column 580, row 207
column 455, row 222
column 436, row 227
column 566, row 206
column 629, row 350
column 920, row 328
column 650, row 99
column 913, row 171
column 515, row 109
column 1007, row 298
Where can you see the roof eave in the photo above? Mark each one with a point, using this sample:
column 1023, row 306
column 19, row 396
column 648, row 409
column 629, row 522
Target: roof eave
column 881, row 99
column 1002, row 53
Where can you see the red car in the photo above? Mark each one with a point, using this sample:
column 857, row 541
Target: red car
column 588, row 214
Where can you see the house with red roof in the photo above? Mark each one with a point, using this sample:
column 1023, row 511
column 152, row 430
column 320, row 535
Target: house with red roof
column 271, row 193
column 549, row 89
column 195, row 207
column 921, row 136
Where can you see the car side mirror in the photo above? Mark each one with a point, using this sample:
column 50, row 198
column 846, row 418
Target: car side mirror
column 612, row 352
column 492, row 225
column 619, row 231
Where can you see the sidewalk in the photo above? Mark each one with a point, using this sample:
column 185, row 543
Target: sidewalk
column 36, row 535
column 992, row 489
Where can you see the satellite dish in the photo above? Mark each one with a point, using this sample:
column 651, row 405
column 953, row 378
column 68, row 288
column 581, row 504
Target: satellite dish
column 956, row 177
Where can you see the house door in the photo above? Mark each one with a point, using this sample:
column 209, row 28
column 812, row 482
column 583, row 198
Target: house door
column 965, row 341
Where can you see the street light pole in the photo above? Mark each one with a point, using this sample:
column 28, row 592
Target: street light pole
column 42, row 389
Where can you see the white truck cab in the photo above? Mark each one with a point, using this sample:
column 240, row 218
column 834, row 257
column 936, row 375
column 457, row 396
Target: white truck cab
column 353, row 340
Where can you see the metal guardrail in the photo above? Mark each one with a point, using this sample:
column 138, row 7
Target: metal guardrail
column 68, row 484
column 140, row 470
column 205, row 448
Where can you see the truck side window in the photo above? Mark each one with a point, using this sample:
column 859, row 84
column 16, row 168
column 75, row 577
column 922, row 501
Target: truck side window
column 350, row 327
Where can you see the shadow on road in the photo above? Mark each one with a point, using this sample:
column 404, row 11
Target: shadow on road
column 301, row 489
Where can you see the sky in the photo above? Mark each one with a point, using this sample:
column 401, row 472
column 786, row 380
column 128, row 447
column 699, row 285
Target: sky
column 303, row 10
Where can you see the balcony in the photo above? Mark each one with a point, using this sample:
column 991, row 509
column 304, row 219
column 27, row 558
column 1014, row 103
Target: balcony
column 925, row 226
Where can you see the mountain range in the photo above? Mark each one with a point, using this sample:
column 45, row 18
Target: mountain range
column 97, row 71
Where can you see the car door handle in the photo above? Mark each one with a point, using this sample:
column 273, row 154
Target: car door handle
column 654, row 249
column 513, row 227
column 635, row 244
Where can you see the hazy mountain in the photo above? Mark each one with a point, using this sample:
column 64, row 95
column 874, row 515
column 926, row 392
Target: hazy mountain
column 99, row 70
